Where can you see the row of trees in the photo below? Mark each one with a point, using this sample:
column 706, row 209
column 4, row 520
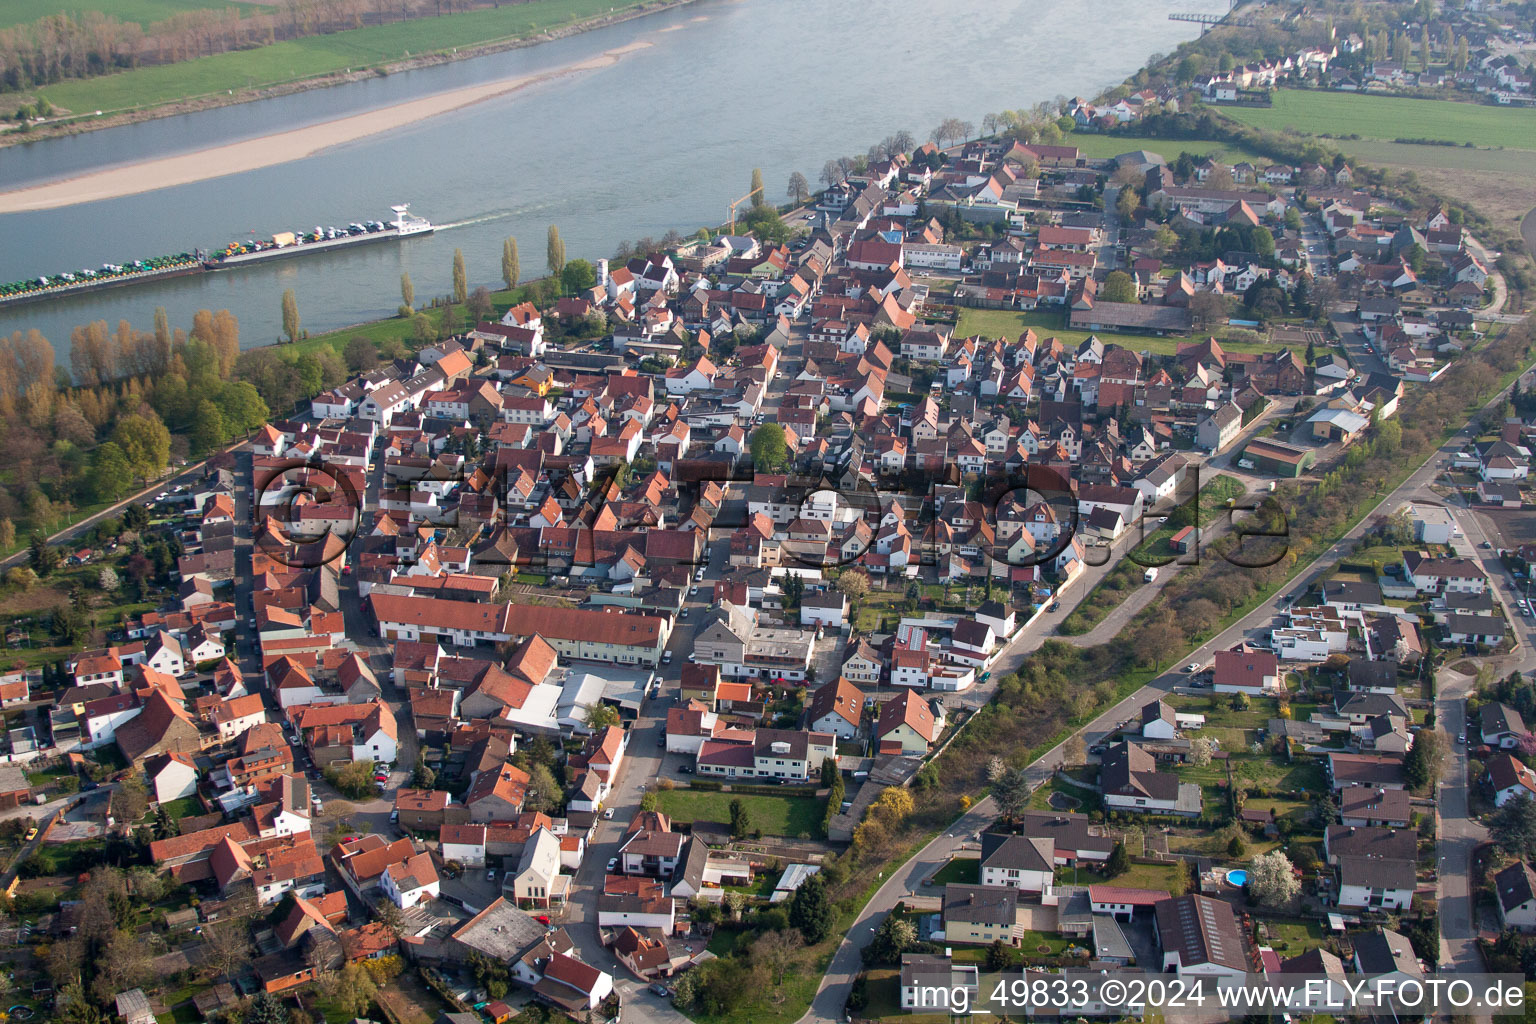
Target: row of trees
column 90, row 43
column 89, row 436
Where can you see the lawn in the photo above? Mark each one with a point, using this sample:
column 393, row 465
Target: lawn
column 1000, row 323
column 1158, row 877
column 1390, row 117
column 297, row 59
column 1087, row 801
column 1031, row 945
column 1105, row 146
column 774, row 815
column 183, row 808
column 1292, row 938
column 145, row 12
column 960, row 871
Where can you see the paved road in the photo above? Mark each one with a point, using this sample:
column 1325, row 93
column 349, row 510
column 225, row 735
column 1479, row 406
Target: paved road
column 184, row 475
column 1459, row 834
column 846, row 962
column 1494, row 308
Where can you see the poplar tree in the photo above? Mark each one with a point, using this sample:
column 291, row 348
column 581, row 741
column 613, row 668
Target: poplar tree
column 556, row 252
column 510, row 270
column 460, row 278
column 291, row 315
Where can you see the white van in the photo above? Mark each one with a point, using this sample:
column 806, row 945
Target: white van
column 1149, row 576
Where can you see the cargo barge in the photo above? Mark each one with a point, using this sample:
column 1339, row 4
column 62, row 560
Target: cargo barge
column 283, row 245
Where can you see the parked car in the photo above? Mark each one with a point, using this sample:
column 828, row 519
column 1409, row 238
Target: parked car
column 31, row 833
column 608, row 813
column 613, row 864
column 490, row 876
column 656, row 988
column 686, row 769
column 666, row 657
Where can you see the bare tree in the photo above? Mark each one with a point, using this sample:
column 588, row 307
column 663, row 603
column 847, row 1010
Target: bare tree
column 226, row 948
column 799, row 189
column 776, row 950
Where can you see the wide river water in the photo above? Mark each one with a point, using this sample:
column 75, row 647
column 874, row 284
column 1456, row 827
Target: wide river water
column 664, row 138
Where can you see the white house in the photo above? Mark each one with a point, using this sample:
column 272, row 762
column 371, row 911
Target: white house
column 1376, row 883
column 1250, row 672
column 1441, row 575
column 233, row 717
column 411, row 881
column 102, row 718
column 1027, row 863
column 971, row 642
column 537, row 878
column 164, row 653
column 824, row 607
column 464, row 844
column 1515, row 888
column 172, row 776
column 616, row 910
column 836, row 708
column 1159, row 721
column 1510, row 779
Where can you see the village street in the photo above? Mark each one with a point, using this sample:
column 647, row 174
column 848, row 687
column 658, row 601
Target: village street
column 846, row 962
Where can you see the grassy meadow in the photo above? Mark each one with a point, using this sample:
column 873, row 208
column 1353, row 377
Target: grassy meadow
column 298, row 59
column 145, row 12
column 1392, row 117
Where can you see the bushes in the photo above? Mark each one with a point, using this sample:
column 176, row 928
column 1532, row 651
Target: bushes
column 353, row 780
column 749, row 790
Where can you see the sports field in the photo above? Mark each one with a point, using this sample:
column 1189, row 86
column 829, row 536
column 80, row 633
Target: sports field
column 1392, row 117
column 317, row 55
column 145, row 12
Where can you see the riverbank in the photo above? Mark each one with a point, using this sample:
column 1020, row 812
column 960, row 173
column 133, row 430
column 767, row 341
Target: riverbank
column 278, row 148
column 90, row 111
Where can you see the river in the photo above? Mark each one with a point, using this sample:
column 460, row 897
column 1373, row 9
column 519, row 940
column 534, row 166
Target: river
column 664, row 138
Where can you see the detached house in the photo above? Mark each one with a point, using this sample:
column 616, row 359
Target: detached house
column 909, row 724
column 836, row 708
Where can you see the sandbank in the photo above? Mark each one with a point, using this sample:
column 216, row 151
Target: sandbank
column 277, row 148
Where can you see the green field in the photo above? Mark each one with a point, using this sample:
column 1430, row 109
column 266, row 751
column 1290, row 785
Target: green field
column 145, row 12
column 1102, row 147
column 318, row 55
column 1391, row 117
column 1456, row 158
column 1002, row 323
column 772, row 815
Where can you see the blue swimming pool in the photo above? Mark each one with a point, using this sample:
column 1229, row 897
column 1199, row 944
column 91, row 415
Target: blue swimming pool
column 1238, row 877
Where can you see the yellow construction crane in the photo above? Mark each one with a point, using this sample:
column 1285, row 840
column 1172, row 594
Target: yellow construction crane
column 731, row 212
